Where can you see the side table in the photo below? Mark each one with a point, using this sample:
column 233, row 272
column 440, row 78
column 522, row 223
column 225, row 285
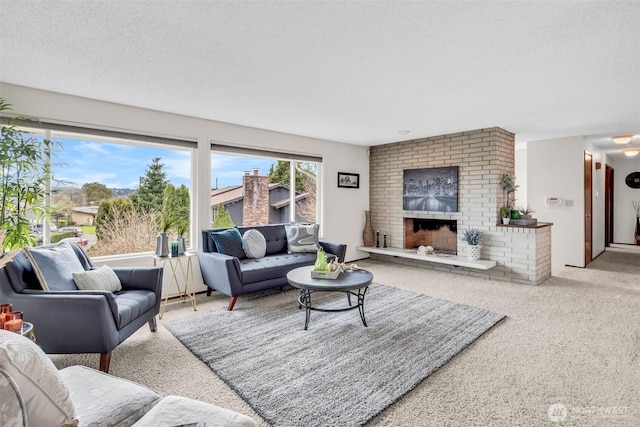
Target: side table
column 181, row 268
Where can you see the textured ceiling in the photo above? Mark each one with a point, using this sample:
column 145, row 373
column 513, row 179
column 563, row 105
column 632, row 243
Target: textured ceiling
column 356, row 72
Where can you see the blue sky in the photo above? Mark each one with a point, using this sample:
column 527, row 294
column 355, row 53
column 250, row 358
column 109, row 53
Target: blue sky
column 120, row 166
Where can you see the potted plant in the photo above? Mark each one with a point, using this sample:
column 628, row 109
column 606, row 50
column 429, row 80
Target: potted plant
column 504, row 214
column 473, row 238
column 162, row 240
column 525, row 213
column 24, row 171
column 508, row 185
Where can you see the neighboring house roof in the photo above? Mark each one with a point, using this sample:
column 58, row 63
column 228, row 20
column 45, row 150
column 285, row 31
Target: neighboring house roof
column 235, row 193
column 90, row 210
column 285, row 202
column 226, row 195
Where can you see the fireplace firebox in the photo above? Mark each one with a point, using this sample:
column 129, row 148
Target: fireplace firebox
column 441, row 234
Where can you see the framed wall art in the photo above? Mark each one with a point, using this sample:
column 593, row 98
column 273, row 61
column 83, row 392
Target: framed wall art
column 348, row 180
column 433, row 189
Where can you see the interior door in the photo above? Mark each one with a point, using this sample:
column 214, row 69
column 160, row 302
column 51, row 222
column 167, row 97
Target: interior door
column 608, row 205
column 588, row 207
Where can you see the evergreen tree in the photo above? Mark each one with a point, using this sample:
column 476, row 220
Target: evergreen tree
column 151, row 190
column 175, row 207
column 281, row 173
column 182, row 209
column 223, row 218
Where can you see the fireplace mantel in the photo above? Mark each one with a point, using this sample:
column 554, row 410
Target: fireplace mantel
column 454, row 260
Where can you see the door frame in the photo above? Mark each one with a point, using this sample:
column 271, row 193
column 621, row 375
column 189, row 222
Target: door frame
column 588, row 208
column 608, row 204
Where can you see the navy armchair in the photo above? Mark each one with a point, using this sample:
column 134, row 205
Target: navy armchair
column 83, row 321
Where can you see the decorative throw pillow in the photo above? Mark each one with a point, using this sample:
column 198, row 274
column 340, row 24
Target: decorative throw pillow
column 229, row 242
column 99, row 279
column 254, row 244
column 54, row 266
column 302, row 238
column 46, row 397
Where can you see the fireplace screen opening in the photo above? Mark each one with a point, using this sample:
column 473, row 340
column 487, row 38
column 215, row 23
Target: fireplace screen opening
column 441, row 234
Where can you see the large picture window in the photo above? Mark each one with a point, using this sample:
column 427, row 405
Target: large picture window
column 258, row 189
column 113, row 195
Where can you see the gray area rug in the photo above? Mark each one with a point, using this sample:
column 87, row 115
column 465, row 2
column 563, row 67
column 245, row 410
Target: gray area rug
column 338, row 372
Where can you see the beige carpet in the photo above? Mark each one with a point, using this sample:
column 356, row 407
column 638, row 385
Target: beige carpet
column 572, row 342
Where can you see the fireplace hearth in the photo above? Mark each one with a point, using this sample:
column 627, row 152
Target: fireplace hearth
column 441, row 234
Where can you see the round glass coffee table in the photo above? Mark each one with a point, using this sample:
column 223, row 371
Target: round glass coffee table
column 351, row 282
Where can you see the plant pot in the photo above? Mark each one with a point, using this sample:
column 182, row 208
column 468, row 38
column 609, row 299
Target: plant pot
column 181, row 245
column 506, row 220
column 473, row 252
column 514, row 214
column 162, row 245
column 527, row 216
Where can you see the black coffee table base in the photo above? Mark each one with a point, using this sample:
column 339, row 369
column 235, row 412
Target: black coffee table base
column 304, row 300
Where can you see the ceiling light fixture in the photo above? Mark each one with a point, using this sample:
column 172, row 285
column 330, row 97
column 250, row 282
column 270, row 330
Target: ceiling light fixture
column 403, row 132
column 622, row 139
column 631, row 152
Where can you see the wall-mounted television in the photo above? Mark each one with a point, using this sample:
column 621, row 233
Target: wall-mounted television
column 432, row 189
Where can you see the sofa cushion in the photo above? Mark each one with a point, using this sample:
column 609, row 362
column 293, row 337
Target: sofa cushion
column 229, row 242
column 54, row 265
column 46, row 397
column 132, row 303
column 104, row 400
column 99, row 279
column 302, row 238
column 275, row 236
column 182, row 411
column 273, row 266
column 254, row 244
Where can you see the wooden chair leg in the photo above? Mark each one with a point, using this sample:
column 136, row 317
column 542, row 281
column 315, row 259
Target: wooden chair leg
column 152, row 324
column 232, row 303
column 208, row 291
column 105, row 361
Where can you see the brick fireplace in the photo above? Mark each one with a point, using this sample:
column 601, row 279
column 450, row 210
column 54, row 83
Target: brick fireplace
column 522, row 254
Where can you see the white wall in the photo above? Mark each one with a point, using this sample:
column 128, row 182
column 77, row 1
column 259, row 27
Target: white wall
column 555, row 168
column 343, row 215
column 520, row 173
column 624, row 220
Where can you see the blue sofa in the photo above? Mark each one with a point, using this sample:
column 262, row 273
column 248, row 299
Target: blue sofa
column 234, row 277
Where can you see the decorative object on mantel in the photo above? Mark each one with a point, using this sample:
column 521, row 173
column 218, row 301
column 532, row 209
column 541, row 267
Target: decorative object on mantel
column 525, row 213
column 504, row 214
column 368, row 234
column 636, row 207
column 425, row 250
column 524, row 217
column 508, row 184
column 473, row 237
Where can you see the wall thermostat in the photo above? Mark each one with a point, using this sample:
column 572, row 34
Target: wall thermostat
column 554, row 201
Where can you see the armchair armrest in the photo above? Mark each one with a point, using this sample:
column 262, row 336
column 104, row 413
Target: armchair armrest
column 144, row 278
column 221, row 272
column 88, row 316
column 338, row 249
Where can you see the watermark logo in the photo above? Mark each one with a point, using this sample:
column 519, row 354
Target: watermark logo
column 557, row 412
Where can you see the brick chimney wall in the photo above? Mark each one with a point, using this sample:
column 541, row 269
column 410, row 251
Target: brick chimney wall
column 255, row 206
